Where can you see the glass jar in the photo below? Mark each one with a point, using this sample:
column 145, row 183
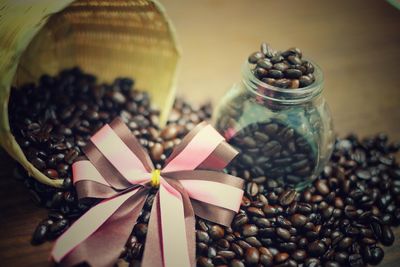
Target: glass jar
column 282, row 134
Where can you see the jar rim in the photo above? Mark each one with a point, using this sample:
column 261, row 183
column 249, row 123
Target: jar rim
column 291, row 96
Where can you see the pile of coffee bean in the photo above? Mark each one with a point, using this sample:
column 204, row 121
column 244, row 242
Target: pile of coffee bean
column 53, row 120
column 285, row 69
column 342, row 219
column 275, row 150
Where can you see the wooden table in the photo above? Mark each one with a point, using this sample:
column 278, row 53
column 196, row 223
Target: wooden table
column 355, row 42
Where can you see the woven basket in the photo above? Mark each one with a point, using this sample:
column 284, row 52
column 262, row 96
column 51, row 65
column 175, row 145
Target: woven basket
column 108, row 38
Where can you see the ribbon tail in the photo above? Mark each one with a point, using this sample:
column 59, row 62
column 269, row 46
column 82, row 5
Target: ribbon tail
column 99, row 236
column 152, row 255
column 169, row 242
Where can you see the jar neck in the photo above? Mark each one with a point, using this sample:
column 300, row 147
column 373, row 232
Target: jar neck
column 278, row 95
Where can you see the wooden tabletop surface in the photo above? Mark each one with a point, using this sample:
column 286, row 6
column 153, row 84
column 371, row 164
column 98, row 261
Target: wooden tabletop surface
column 356, row 43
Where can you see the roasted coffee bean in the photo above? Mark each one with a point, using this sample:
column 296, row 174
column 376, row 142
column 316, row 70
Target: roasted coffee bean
column 317, row 248
column 355, row 260
column 266, row 260
column 281, row 257
column 204, row 262
column 156, row 151
column 305, row 81
column 298, row 220
column 299, row 255
column 252, row 256
column 294, row 59
column 387, row 238
column 40, row 234
column 376, row 255
column 58, row 227
column 249, row 230
column 281, row 66
column 252, row 189
column 170, row 132
column 293, row 73
column 264, row 64
column 261, row 73
column 322, row 187
column 283, row 233
column 216, row 232
column 256, row 56
column 236, row 263
column 287, row 197
column 283, row 83
column 202, row 236
column 239, row 220
column 51, row 173
column 266, row 50
column 275, row 74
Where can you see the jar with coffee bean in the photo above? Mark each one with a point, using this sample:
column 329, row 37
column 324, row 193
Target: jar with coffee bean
column 277, row 117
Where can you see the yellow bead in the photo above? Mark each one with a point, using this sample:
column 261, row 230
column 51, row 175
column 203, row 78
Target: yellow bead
column 155, row 178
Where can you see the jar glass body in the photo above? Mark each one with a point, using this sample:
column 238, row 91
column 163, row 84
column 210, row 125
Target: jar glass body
column 282, row 134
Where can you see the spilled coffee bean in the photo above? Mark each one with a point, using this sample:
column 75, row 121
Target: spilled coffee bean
column 341, row 220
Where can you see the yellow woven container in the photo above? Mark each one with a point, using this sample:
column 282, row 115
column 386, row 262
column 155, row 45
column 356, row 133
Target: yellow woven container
column 108, row 38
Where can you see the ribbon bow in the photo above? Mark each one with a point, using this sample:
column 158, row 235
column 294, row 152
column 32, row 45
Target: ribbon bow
column 120, row 172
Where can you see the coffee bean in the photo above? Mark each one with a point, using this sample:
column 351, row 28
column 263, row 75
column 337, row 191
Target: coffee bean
column 299, row 255
column 236, row 263
column 281, row 257
column 305, row 81
column 269, row 211
column 266, row 260
column 252, row 189
column 58, row 227
column 264, row 64
column 355, row 260
column 38, row 163
column 287, row 197
column 156, row 151
column 257, row 212
column 294, row 59
column 316, row 248
column 345, row 242
column 261, row 73
column 204, row 262
column 170, row 132
column 51, row 173
column 283, row 233
column 281, row 66
column 202, row 236
column 249, row 230
column 293, row 73
column 363, row 174
column 331, row 264
column 216, row 232
column 253, row 58
column 40, row 234
column 322, row 187
column 387, row 238
column 298, row 220
column 227, row 254
column 275, row 74
column 283, row 83
column 376, row 255
column 252, row 256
